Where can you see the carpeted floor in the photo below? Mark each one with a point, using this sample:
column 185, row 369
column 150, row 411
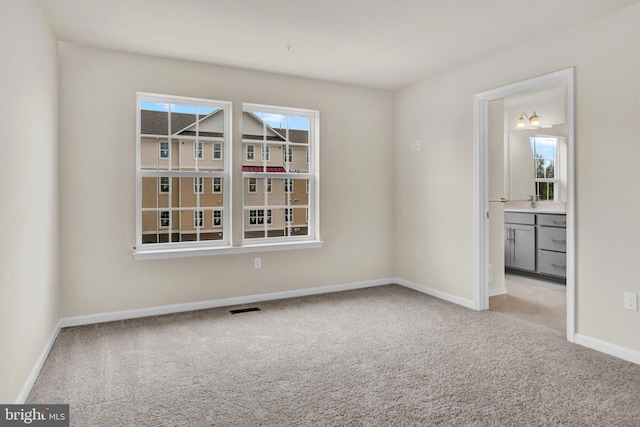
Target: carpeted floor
column 543, row 303
column 385, row 356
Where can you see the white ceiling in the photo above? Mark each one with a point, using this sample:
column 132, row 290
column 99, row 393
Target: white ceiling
column 376, row 43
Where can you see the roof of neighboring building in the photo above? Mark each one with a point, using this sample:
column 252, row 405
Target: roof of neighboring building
column 156, row 123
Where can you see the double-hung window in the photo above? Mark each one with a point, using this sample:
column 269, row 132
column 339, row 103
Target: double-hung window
column 183, row 195
column 545, row 155
column 289, row 137
column 183, row 177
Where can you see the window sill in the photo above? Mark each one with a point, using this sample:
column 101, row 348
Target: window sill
column 146, row 254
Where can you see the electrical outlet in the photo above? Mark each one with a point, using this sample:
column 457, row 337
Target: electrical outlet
column 257, row 263
column 630, row 301
column 416, row 145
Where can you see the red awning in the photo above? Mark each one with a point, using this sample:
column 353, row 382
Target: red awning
column 269, row 169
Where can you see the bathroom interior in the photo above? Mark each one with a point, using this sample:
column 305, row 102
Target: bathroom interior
column 527, row 206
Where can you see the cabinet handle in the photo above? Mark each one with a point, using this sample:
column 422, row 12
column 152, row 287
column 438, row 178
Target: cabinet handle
column 558, row 265
column 558, row 240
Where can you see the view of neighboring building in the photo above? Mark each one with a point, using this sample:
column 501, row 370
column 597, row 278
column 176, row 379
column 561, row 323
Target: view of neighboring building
column 179, row 208
column 275, row 206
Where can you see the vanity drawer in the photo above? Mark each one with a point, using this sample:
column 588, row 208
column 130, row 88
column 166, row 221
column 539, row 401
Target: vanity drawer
column 554, row 263
column 552, row 220
column 552, row 238
column 519, row 218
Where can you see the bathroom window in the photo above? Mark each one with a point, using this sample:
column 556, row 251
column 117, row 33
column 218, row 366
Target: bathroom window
column 545, row 157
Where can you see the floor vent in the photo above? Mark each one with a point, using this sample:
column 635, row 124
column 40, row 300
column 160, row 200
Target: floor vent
column 244, row 310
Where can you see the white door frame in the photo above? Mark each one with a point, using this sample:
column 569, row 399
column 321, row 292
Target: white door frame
column 481, row 206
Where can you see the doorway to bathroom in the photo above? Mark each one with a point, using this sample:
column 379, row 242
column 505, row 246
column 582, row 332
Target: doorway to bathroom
column 524, row 200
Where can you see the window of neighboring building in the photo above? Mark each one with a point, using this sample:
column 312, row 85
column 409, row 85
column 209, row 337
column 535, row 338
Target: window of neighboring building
column 291, row 131
column 217, row 185
column 164, row 149
column 545, row 155
column 251, row 152
column 172, row 207
column 165, row 219
column 198, row 185
column 217, row 218
column 165, row 184
column 217, row 151
column 198, row 218
column 253, row 185
column 197, row 150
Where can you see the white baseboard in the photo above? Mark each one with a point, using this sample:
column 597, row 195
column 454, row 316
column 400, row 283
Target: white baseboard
column 201, row 305
column 497, row 291
column 35, row 371
column 608, row 348
column 438, row 294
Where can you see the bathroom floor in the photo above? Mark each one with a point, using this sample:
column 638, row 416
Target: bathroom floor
column 533, row 300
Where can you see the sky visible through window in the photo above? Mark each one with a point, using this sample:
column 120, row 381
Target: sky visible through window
column 273, row 120
column 543, row 147
column 176, row 108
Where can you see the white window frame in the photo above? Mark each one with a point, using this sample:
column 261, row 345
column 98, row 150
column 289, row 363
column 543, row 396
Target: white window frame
column 556, row 172
column 164, row 150
column 312, row 177
column 268, row 185
column 266, row 153
column 288, row 215
column 175, row 249
column 216, row 153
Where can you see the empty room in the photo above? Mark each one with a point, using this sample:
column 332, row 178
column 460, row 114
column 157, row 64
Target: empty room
column 320, row 213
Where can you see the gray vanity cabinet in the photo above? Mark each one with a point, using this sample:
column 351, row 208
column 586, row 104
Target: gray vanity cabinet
column 520, row 241
column 536, row 244
column 552, row 244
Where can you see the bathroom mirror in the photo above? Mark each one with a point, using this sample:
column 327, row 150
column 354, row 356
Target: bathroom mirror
column 535, row 164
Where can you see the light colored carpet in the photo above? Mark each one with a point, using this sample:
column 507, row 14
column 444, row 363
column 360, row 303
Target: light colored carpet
column 543, row 303
column 385, row 356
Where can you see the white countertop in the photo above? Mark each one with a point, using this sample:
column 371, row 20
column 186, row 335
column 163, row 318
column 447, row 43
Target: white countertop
column 542, row 207
column 536, row 210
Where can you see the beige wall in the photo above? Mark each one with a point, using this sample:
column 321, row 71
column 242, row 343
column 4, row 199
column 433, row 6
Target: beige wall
column 97, row 168
column 435, row 190
column 29, row 293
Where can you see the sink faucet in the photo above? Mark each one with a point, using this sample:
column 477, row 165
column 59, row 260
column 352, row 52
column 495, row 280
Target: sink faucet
column 532, row 201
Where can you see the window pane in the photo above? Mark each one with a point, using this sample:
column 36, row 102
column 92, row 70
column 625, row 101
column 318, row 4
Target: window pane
column 289, row 143
column 154, row 131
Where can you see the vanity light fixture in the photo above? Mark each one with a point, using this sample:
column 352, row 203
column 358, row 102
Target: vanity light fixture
column 534, row 120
